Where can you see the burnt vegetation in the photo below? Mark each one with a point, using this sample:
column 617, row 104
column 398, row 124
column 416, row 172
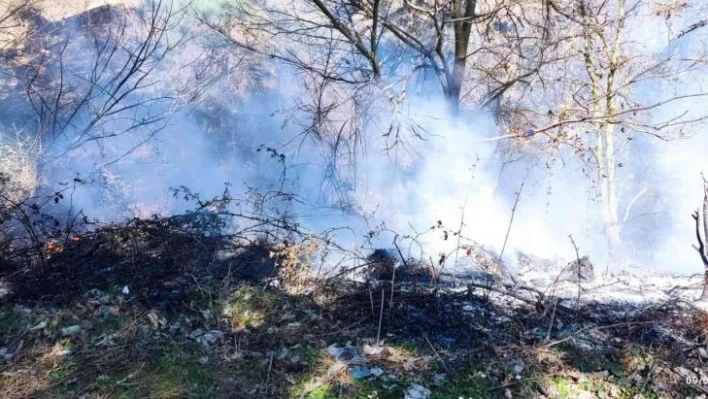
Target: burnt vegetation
column 182, row 306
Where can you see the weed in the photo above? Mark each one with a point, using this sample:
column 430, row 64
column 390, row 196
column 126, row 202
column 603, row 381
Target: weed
column 563, row 386
column 249, row 306
column 322, row 392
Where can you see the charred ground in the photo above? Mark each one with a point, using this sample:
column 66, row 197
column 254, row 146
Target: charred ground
column 165, row 308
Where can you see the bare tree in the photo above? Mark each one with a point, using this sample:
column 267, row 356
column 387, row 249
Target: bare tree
column 487, row 46
column 590, row 96
column 571, row 71
column 96, row 75
column 702, row 226
column 9, row 11
column 358, row 61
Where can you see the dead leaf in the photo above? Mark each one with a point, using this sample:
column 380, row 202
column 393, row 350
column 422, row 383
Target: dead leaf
column 409, row 364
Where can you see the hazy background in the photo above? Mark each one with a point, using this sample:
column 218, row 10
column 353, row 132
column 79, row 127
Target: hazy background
column 447, row 170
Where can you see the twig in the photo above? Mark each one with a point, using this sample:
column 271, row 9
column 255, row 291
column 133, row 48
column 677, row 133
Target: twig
column 378, row 334
column 459, row 232
column 199, row 287
column 227, row 280
column 517, row 296
column 341, row 330
column 436, row 352
column 347, row 271
column 393, row 275
column 131, row 375
column 577, row 259
column 568, row 338
column 437, row 277
column 553, row 317
column 634, row 200
column 270, row 367
column 371, row 299
column 511, row 221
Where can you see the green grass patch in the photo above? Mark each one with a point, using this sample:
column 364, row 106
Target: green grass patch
column 170, row 372
column 250, row 306
column 563, row 386
column 380, row 388
column 325, row 391
column 465, row 385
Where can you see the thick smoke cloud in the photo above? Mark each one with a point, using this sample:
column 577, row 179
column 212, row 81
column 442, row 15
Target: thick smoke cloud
column 450, row 172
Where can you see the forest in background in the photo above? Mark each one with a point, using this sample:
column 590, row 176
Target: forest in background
column 395, row 114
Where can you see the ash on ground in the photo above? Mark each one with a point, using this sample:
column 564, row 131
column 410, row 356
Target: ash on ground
column 553, row 277
column 632, row 284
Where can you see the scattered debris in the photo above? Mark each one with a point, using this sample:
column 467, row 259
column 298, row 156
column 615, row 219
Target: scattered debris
column 579, row 271
column 345, row 353
column 359, row 372
column 417, row 392
column 372, row 350
column 39, row 326
column 71, row 331
column 211, row 337
column 377, row 371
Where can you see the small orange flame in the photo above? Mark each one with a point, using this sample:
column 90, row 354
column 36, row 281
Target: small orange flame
column 53, row 248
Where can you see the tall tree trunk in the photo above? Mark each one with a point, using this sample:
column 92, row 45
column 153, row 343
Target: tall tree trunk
column 612, row 222
column 610, row 204
column 463, row 14
column 605, row 138
column 604, row 147
column 454, row 91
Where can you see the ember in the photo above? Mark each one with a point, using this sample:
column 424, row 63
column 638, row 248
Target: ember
column 53, row 248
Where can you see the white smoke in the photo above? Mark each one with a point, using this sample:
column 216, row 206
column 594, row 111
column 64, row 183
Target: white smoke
column 449, row 173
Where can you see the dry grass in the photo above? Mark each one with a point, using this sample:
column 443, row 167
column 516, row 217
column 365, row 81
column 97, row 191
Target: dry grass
column 17, row 163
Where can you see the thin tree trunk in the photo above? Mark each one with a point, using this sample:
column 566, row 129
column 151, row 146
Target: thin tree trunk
column 611, row 200
column 704, row 255
column 610, row 203
column 701, row 236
